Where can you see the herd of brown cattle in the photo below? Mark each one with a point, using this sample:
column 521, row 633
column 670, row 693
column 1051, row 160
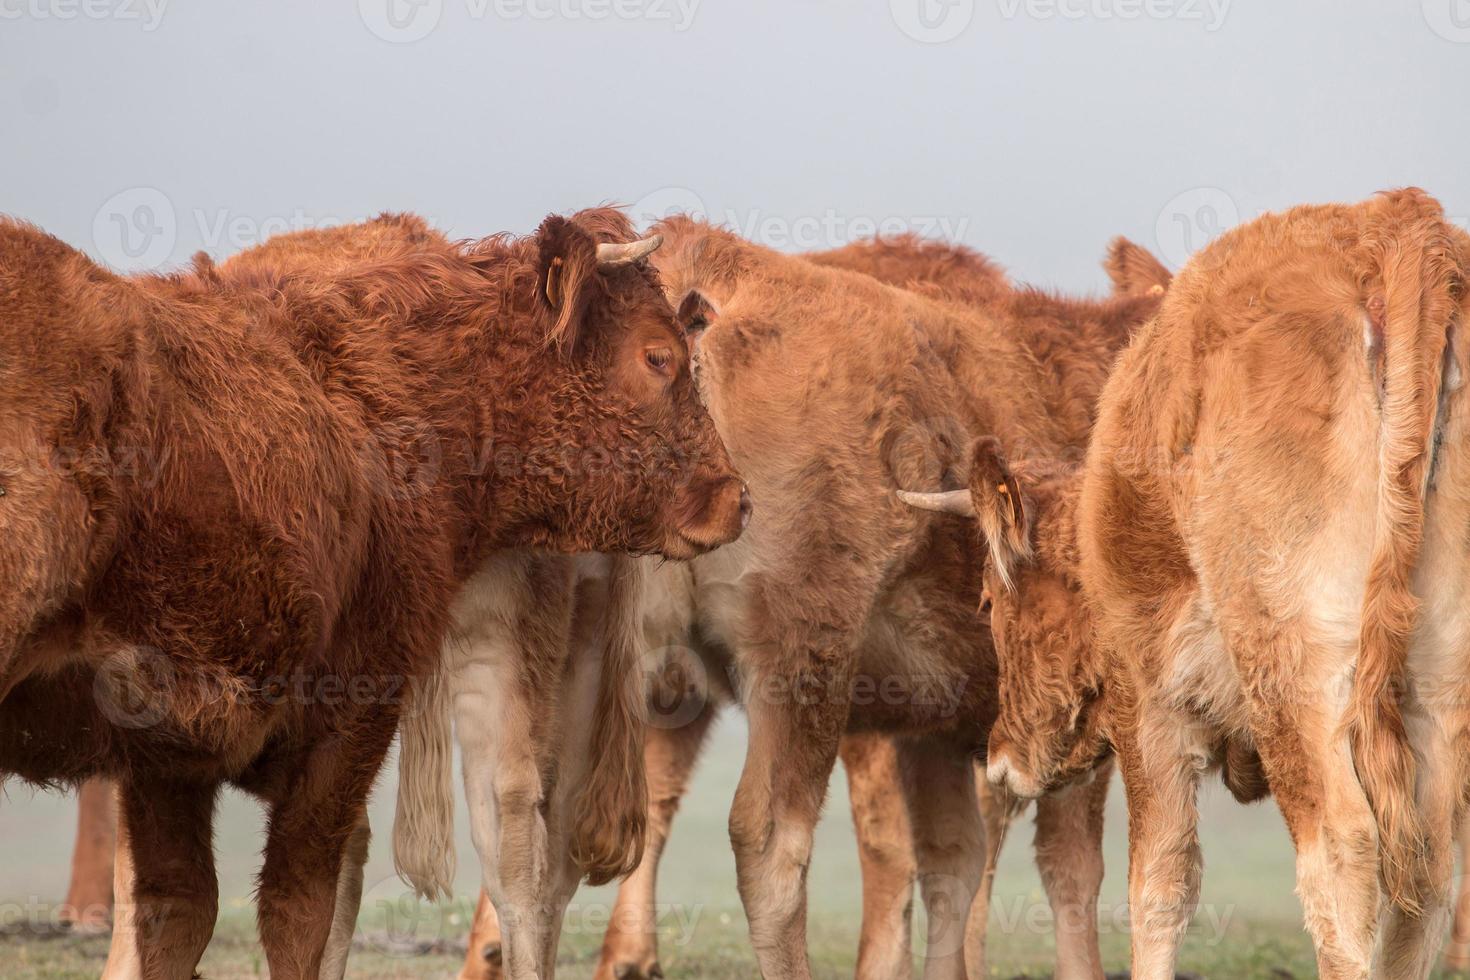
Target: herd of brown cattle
column 264, row 515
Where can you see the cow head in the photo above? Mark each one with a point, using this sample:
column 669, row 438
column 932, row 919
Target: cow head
column 635, row 462
column 1047, row 732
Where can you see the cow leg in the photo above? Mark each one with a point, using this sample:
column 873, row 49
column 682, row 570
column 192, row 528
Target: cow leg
column 122, row 956
column 1310, row 768
column 1069, row 829
column 316, row 814
column 348, row 902
column 885, row 849
column 508, row 809
column 1457, row 952
column 795, row 727
column 174, row 891
column 630, row 947
column 949, row 845
column 1161, row 764
column 572, row 762
column 997, row 809
column 482, row 960
column 88, row 906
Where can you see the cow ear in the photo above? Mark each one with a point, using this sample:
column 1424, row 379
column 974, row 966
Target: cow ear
column 696, row 312
column 566, row 278
column 1000, row 507
column 1134, row 270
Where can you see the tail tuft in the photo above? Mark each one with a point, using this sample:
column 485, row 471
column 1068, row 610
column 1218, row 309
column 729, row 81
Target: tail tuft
column 423, row 827
column 612, row 814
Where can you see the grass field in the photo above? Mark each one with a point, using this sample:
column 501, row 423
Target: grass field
column 1248, row 926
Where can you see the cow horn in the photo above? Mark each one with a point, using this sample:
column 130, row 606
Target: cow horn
column 948, row 501
column 612, row 255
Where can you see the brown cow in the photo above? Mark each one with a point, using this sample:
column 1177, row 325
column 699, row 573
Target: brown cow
column 1075, row 339
column 494, row 603
column 1273, row 492
column 1058, row 692
column 834, row 600
column 238, row 511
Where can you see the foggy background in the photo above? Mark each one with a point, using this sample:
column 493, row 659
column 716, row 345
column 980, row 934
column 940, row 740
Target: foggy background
column 144, row 130
column 1034, row 130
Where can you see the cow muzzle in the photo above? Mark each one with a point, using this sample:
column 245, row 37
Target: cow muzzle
column 709, row 514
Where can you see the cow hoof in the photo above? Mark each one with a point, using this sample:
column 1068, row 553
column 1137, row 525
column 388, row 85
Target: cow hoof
column 632, row 971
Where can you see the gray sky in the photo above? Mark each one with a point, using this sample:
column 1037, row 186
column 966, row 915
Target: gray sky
column 144, row 130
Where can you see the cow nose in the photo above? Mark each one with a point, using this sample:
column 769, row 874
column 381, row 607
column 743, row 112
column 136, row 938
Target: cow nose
column 747, row 506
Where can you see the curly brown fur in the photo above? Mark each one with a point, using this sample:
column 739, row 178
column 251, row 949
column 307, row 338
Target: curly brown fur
column 245, row 496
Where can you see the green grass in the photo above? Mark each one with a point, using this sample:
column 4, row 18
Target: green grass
column 1249, row 926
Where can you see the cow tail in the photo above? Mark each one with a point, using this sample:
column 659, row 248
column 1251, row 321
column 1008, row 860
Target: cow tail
column 423, row 827
column 612, row 813
column 1415, row 331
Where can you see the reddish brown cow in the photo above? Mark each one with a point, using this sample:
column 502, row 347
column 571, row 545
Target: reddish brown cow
column 327, row 457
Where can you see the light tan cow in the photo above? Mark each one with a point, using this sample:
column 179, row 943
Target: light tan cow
column 1272, row 539
column 835, row 596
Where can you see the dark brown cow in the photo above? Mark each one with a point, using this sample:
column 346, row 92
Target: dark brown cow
column 236, row 512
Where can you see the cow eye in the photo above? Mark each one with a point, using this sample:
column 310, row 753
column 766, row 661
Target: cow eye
column 660, row 359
